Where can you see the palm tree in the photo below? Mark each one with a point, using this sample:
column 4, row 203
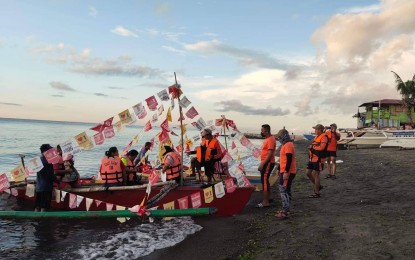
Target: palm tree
column 407, row 90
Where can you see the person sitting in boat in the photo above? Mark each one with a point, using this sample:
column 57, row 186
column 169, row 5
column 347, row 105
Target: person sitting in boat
column 112, row 170
column 131, row 170
column 172, row 164
column 59, row 168
column 208, row 153
column 72, row 176
column 142, row 157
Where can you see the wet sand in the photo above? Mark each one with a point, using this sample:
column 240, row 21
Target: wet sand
column 368, row 212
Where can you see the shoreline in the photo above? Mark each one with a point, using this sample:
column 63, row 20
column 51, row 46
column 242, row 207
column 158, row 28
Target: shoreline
column 367, row 212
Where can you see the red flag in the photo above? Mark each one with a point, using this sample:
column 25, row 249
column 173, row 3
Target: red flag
column 230, row 185
column 108, row 122
column 99, row 128
column 164, row 137
column 183, row 202
column 109, row 132
column 233, row 145
column 147, row 126
column 191, row 113
column 175, row 91
column 153, row 178
column 152, row 103
column 165, row 125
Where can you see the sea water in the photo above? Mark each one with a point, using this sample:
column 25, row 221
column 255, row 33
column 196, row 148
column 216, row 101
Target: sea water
column 87, row 238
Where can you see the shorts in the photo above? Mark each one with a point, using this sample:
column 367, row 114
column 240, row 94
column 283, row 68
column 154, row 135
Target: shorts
column 315, row 166
column 265, row 173
column 331, row 154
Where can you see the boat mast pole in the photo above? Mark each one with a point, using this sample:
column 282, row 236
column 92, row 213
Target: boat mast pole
column 224, row 131
column 181, row 130
column 379, row 116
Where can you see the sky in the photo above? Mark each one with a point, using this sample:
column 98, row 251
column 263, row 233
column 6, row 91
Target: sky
column 284, row 63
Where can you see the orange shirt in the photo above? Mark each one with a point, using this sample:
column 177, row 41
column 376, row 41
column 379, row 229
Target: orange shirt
column 288, row 148
column 332, row 146
column 269, row 144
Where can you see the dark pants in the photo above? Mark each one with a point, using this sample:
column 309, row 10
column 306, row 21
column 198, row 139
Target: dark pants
column 285, row 192
column 43, row 199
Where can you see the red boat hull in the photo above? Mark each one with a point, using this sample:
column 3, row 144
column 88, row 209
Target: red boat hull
column 230, row 204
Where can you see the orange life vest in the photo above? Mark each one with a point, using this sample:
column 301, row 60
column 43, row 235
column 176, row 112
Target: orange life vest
column 318, row 148
column 174, row 170
column 130, row 167
column 111, row 169
column 204, row 151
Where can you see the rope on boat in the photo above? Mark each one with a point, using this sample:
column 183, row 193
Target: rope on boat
column 163, row 192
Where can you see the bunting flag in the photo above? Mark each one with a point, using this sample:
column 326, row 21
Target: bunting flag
column 233, row 145
column 164, row 137
column 125, row 117
column 142, row 114
column 138, row 109
column 72, row 200
column 165, row 125
column 199, row 124
column 224, row 122
column 35, row 164
column 14, row 192
column 226, row 158
column 184, row 102
column 30, row 190
column 108, row 122
column 163, row 95
column 247, row 183
column 191, row 113
column 147, row 126
column 88, row 203
column 57, row 195
column 99, row 138
column 99, row 128
column 162, row 150
column 175, row 91
column 84, row 141
column 184, row 129
column 18, row 173
column 98, row 202
column 63, row 195
column 152, row 103
column 208, row 194
column 183, row 202
column 160, row 110
column 109, row 132
column 240, row 179
column 219, row 190
column 153, row 178
column 256, row 153
column 230, row 185
column 154, row 118
column 196, row 200
column 52, row 156
column 135, row 139
column 119, row 126
column 79, row 200
column 189, row 142
column 148, row 189
column 109, row 206
column 168, row 115
column 70, row 147
column 244, row 141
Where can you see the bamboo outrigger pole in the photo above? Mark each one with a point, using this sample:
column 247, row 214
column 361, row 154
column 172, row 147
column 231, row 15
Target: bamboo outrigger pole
column 181, row 130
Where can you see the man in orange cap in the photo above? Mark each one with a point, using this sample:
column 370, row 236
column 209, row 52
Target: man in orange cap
column 317, row 155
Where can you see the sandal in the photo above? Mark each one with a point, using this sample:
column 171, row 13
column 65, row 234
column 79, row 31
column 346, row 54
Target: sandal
column 329, row 176
column 315, row 195
column 260, row 205
column 281, row 214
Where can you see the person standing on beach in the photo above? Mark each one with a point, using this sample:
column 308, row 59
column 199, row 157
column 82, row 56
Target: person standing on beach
column 44, row 182
column 267, row 163
column 288, row 169
column 333, row 137
column 317, row 155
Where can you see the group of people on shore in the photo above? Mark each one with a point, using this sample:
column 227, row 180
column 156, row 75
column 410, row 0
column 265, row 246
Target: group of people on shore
column 322, row 150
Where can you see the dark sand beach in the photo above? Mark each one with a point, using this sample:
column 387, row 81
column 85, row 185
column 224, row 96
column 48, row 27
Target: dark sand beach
column 368, row 212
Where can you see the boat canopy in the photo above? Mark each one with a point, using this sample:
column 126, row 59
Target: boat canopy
column 382, row 103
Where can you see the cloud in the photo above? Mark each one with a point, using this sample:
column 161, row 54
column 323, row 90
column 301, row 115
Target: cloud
column 100, row 95
column 172, row 49
column 92, row 11
column 303, row 106
column 61, row 86
column 120, row 30
column 245, row 57
column 363, row 9
column 10, row 104
column 49, row 48
column 237, row 106
column 115, row 87
column 58, row 95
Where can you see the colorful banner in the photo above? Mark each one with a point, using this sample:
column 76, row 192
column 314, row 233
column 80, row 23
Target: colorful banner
column 183, row 202
column 163, row 95
column 154, row 177
column 83, row 140
column 165, row 126
column 99, row 138
column 72, row 200
column 196, row 200
column 142, row 114
column 219, row 190
column 169, row 205
column 52, row 156
column 256, row 152
column 108, row 122
column 154, row 118
column 160, row 110
column 109, row 206
column 226, row 158
column 152, row 103
column 119, row 126
column 230, row 185
column 99, row 128
column 70, row 147
column 147, row 126
column 139, row 108
column 168, row 115
column 88, row 203
column 191, row 113
column 184, row 102
column 4, row 182
column 125, row 117
column 79, row 199
column 34, row 165
column 57, row 195
column 30, row 190
column 18, row 173
column 208, row 194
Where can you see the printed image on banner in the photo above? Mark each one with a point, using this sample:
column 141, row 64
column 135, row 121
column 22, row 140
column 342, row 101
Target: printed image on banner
column 152, row 103
column 18, row 173
column 196, row 200
column 99, row 138
column 183, row 202
column 109, row 132
column 84, row 141
column 154, row 118
column 119, row 126
column 219, row 190
column 4, row 182
column 184, row 102
column 52, row 156
column 208, row 194
column 70, row 147
column 125, row 117
column 34, row 165
column 163, row 95
column 191, row 113
column 230, row 186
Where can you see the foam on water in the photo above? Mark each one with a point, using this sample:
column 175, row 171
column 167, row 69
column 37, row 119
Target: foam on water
column 140, row 240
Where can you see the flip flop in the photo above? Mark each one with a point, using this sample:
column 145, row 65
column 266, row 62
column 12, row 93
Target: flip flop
column 260, row 205
column 315, row 195
column 329, row 176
